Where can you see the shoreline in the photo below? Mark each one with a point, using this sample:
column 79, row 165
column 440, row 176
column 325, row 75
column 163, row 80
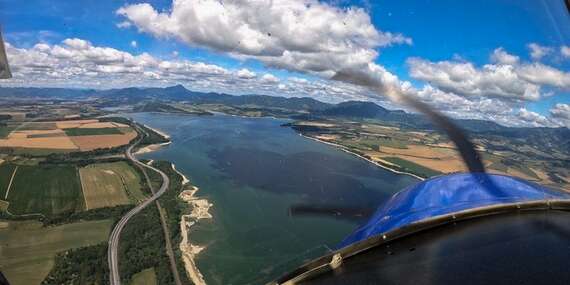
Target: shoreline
column 152, row 147
column 343, row 148
column 184, row 178
column 163, row 134
column 200, row 210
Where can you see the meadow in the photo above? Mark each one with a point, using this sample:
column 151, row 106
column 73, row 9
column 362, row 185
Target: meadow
column 110, row 184
column 411, row 167
column 45, row 189
column 92, row 131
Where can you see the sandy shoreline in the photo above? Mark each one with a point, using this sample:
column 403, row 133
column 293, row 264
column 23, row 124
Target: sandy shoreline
column 184, row 178
column 166, row 136
column 189, row 251
column 151, row 148
column 199, row 211
column 362, row 157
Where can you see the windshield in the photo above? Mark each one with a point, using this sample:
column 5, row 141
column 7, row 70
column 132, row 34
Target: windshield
column 230, row 142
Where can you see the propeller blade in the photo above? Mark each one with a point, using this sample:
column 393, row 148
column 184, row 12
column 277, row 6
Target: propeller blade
column 4, row 68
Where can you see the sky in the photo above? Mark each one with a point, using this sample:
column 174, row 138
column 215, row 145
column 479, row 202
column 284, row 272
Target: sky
column 503, row 60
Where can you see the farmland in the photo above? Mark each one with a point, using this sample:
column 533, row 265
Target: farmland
column 46, row 190
column 91, row 132
column 28, row 248
column 427, row 153
column 5, row 130
column 110, row 184
column 86, row 143
column 409, row 166
column 67, row 135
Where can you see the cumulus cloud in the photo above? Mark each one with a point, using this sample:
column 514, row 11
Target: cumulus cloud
column 134, row 44
column 78, row 63
column 300, row 35
column 541, row 74
column 78, row 44
column 537, row 51
column 561, row 113
column 463, row 78
column 499, row 55
column 307, row 36
column 270, row 78
column 534, row 119
column 565, row 51
column 246, row 73
column 506, row 78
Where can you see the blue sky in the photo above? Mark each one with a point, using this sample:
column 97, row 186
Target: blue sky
column 453, row 31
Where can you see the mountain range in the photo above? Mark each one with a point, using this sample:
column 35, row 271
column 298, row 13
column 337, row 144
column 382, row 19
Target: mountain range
column 309, row 106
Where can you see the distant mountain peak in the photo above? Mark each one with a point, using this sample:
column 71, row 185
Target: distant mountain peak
column 364, row 109
column 177, row 87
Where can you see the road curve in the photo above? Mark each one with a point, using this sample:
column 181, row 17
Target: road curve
column 112, row 257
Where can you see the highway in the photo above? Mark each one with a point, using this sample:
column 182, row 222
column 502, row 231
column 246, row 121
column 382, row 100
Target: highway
column 112, row 257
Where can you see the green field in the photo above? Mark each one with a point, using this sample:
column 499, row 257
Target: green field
column 28, row 249
column 47, row 190
column 145, row 277
column 6, row 171
column 131, row 178
column 37, row 126
column 92, row 132
column 412, row 167
column 377, row 142
column 37, row 151
column 110, row 184
column 5, row 131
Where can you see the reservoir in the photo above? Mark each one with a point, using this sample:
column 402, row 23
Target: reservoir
column 253, row 170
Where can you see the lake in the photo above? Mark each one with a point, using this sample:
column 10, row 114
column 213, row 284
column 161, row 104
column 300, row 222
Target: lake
column 253, row 170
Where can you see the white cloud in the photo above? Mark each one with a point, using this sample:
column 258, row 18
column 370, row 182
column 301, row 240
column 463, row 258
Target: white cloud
column 561, row 111
column 77, row 63
column 534, row 119
column 77, row 44
column 508, row 78
column 124, row 25
column 299, row 35
column 561, row 114
column 565, row 51
column 541, row 74
column 463, row 78
column 499, row 55
column 245, row 73
column 134, row 44
column 270, row 78
column 537, row 51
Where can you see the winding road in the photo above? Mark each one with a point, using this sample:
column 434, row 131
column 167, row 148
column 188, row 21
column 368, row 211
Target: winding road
column 112, row 256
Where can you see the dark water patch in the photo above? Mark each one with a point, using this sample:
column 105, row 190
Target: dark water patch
column 316, row 177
